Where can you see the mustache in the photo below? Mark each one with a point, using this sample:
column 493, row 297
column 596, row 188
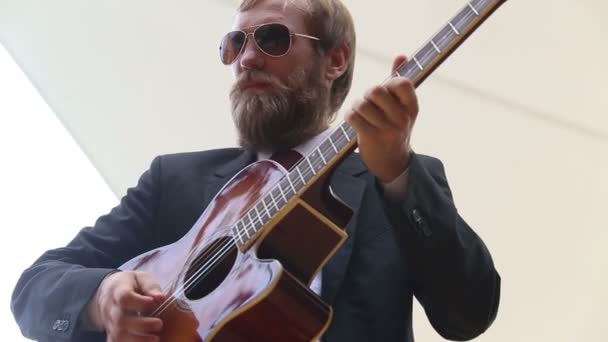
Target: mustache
column 248, row 76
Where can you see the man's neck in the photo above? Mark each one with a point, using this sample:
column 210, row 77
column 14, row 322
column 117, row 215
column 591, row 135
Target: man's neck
column 304, row 148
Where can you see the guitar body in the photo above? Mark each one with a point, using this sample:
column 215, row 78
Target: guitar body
column 219, row 291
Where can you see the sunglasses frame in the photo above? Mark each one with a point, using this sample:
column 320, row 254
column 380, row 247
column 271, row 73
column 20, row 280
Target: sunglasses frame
column 252, row 33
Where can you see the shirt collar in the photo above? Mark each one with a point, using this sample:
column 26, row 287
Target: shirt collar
column 304, row 148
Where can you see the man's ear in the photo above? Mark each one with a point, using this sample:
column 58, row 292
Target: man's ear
column 337, row 62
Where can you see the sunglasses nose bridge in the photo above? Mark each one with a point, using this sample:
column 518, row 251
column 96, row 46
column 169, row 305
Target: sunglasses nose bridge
column 250, row 57
column 254, row 41
column 246, row 40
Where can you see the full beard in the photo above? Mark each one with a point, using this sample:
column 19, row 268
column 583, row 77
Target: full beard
column 280, row 115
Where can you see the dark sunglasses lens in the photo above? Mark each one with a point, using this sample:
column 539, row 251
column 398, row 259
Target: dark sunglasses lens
column 274, row 39
column 231, row 46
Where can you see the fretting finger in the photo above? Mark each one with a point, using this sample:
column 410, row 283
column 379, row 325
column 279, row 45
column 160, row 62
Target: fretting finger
column 359, row 124
column 403, row 92
column 371, row 113
column 391, row 112
column 397, row 62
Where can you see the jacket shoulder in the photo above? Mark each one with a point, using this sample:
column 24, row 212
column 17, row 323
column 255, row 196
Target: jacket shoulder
column 203, row 162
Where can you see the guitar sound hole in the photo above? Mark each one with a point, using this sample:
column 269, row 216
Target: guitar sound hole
column 210, row 268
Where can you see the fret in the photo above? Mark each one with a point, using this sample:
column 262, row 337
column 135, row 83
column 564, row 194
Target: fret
column 338, row 139
column 261, row 210
column 418, row 63
column 480, row 5
column 411, row 70
column 473, row 9
column 253, row 222
column 435, row 46
column 333, row 145
column 444, row 37
column 469, row 17
column 321, row 154
column 291, row 184
column 246, row 226
column 292, row 180
column 463, row 19
column 351, row 132
column 238, row 232
column 285, row 184
column 300, row 174
column 282, row 193
column 298, row 179
column 244, row 230
column 400, row 70
column 426, row 55
column 271, row 209
column 453, row 28
column 311, row 167
column 266, row 207
column 274, row 201
column 327, row 150
column 313, row 160
column 344, row 131
column 257, row 213
column 281, row 198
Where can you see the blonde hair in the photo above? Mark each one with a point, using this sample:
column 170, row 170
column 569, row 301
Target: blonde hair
column 331, row 22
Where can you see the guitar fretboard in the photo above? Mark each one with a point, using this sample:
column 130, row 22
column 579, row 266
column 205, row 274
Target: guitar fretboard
column 343, row 138
column 447, row 39
column 296, row 179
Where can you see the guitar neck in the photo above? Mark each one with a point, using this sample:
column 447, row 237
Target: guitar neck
column 420, row 66
column 343, row 139
column 449, row 37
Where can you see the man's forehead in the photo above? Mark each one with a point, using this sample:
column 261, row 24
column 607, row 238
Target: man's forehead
column 266, row 11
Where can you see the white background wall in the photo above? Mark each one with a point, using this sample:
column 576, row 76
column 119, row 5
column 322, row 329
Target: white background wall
column 517, row 114
column 49, row 187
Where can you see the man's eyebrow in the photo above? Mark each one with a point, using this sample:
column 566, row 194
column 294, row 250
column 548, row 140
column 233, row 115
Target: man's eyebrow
column 258, row 25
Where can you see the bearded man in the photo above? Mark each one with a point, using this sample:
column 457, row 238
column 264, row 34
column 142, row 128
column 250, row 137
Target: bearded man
column 293, row 62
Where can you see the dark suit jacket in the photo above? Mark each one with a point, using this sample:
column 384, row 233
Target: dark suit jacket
column 419, row 246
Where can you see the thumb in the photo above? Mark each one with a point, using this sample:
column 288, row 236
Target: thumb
column 398, row 61
column 148, row 285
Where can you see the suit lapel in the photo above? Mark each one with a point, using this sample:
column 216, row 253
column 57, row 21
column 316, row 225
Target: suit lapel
column 225, row 172
column 350, row 189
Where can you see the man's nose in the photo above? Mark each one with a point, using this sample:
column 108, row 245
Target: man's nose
column 251, row 56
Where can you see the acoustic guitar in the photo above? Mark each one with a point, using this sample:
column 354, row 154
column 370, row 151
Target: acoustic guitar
column 250, row 257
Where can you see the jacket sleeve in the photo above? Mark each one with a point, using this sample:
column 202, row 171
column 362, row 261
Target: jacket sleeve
column 50, row 296
column 454, row 276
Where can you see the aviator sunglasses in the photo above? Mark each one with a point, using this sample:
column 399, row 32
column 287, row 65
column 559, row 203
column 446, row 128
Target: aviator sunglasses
column 273, row 39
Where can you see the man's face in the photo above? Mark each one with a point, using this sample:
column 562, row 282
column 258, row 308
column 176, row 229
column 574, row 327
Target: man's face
column 278, row 102
column 251, row 58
